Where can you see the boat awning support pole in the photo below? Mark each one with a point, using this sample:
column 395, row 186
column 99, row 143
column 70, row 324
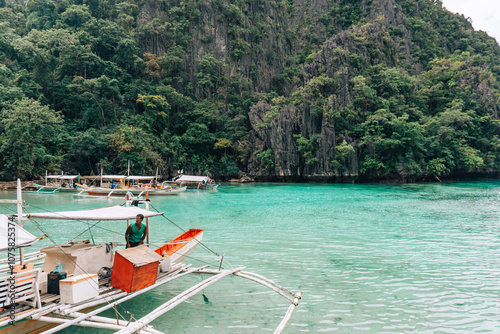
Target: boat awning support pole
column 20, row 218
column 147, row 221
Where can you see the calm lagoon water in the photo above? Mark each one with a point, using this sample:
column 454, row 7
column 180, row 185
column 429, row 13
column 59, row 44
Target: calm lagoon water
column 419, row 258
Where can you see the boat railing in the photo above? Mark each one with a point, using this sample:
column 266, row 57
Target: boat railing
column 20, row 288
column 31, row 257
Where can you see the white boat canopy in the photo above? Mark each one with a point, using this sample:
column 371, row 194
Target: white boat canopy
column 115, row 212
column 192, row 178
column 109, row 177
column 22, row 237
column 53, row 176
column 68, row 177
column 140, row 177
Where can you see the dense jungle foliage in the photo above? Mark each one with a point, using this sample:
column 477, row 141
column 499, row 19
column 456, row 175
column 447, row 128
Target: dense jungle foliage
column 86, row 84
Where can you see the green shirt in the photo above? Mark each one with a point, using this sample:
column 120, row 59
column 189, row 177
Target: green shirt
column 136, row 234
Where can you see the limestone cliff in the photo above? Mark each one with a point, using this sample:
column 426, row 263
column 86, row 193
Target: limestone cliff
column 259, row 39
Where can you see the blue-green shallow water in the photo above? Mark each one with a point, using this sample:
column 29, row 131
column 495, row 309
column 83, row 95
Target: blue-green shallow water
column 369, row 258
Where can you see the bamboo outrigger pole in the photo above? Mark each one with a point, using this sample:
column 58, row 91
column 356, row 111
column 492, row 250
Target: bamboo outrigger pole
column 288, row 314
column 162, row 309
column 108, row 306
column 20, row 219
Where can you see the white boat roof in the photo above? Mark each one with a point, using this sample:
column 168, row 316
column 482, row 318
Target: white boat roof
column 115, row 212
column 68, row 177
column 138, row 177
column 53, row 176
column 193, row 178
column 113, row 177
column 23, row 238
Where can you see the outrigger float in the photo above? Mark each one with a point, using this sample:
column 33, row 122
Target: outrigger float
column 98, row 277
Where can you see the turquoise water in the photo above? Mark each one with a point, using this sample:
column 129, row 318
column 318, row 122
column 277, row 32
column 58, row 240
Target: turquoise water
column 418, row 258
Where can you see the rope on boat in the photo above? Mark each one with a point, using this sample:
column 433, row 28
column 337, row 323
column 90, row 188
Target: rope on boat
column 67, row 256
column 9, row 208
column 164, row 308
column 104, row 308
column 112, row 231
column 183, row 230
column 104, row 298
column 75, row 220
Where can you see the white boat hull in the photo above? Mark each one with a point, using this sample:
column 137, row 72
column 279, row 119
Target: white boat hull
column 134, row 191
column 53, row 189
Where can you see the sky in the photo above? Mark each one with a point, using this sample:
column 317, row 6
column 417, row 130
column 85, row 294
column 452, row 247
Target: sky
column 485, row 14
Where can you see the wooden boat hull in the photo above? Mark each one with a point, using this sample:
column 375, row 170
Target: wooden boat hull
column 179, row 248
column 28, row 326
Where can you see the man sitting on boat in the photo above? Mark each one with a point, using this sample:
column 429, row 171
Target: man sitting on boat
column 136, row 233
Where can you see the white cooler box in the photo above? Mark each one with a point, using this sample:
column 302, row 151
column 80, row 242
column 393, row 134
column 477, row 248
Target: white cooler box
column 76, row 289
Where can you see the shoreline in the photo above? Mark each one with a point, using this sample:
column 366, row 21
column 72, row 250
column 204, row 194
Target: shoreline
column 30, row 185
column 12, row 185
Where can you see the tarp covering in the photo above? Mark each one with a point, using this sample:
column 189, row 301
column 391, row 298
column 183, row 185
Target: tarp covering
column 21, row 237
column 68, row 177
column 62, row 177
column 115, row 212
column 140, row 177
column 109, row 177
column 191, row 178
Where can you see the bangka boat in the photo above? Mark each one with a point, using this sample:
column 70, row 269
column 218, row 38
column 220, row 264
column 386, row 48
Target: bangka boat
column 120, row 185
column 194, row 182
column 58, row 183
column 79, row 280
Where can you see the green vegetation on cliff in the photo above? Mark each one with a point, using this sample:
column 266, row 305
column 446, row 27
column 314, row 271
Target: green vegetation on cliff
column 369, row 89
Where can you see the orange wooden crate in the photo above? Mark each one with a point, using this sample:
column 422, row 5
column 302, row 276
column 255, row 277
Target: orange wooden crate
column 134, row 268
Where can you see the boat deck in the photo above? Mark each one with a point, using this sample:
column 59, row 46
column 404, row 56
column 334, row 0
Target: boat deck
column 47, row 298
column 51, row 297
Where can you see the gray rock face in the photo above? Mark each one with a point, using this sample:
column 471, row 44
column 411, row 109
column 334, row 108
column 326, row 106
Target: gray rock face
column 342, row 57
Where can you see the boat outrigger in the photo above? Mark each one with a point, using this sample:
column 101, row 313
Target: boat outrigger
column 79, row 280
column 120, row 185
column 58, row 183
column 194, row 182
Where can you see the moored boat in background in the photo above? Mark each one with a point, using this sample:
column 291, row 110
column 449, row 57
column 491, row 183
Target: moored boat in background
column 194, row 182
column 120, row 185
column 58, row 183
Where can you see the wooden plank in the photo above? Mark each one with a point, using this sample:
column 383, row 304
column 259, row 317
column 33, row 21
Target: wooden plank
column 49, row 297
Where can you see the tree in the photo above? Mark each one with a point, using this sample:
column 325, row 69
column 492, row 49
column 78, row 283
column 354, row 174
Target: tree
column 130, row 143
column 29, row 139
column 76, row 15
column 210, row 75
column 41, row 14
